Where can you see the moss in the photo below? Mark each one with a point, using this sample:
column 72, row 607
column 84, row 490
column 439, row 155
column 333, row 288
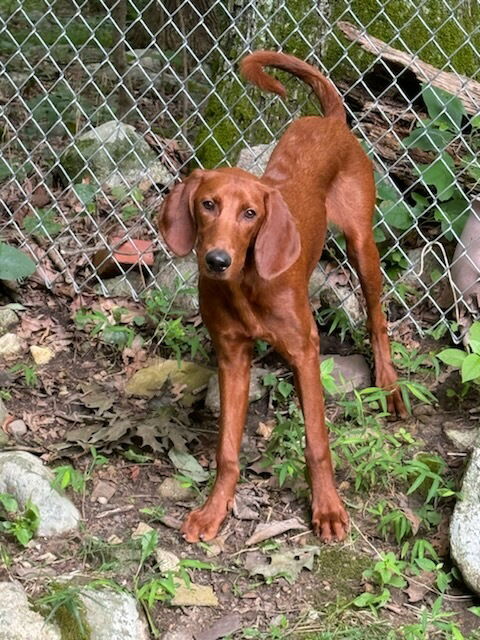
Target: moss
column 238, row 113
column 68, row 622
column 340, row 569
column 434, row 31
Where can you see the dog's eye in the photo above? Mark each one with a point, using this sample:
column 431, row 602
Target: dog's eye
column 250, row 213
column 209, row 205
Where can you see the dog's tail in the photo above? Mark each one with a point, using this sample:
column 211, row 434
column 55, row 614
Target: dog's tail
column 252, row 69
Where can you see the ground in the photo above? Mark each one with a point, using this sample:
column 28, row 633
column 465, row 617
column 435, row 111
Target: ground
column 80, row 392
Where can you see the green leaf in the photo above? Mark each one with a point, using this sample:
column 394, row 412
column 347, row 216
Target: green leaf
column 396, row 214
column 8, row 502
column 474, row 337
column 452, row 357
column 440, row 174
column 428, row 138
column 285, row 388
column 14, row 264
column 452, row 215
column 475, row 611
column 443, row 107
column 85, row 192
column 471, row 367
column 42, row 223
column 187, row 465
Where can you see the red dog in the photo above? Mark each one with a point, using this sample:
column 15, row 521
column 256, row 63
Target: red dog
column 257, row 242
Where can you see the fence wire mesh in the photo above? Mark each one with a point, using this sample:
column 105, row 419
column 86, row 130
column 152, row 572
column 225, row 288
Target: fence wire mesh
column 105, row 104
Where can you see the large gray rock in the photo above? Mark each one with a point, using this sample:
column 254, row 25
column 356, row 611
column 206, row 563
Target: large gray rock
column 113, row 616
column 18, row 621
column 331, row 288
column 25, row 477
column 178, row 276
column 113, row 154
column 8, row 318
column 10, row 345
column 255, row 159
column 465, row 524
column 256, row 391
column 466, row 260
column 350, row 372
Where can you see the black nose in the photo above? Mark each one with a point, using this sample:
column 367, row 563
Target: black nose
column 218, row 260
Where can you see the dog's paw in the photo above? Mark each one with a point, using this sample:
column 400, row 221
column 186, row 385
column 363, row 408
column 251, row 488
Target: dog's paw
column 329, row 519
column 203, row 524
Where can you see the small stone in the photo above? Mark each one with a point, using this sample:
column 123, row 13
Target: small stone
column 18, row 621
column 167, row 561
column 17, row 428
column 350, row 372
column 3, row 412
column 41, row 355
column 462, row 439
column 256, row 390
column 8, row 318
column 195, row 595
column 171, row 489
column 10, row 345
column 177, row 635
column 141, row 529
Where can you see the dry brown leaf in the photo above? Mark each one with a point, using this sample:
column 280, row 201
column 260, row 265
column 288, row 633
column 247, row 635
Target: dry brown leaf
column 419, row 586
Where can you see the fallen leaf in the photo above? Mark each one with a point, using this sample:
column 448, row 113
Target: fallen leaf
column 195, row 595
column 167, row 561
column 287, row 564
column 419, row 586
column 242, row 511
column 187, row 465
column 264, row 531
column 140, row 530
column 265, row 429
column 223, row 627
column 41, row 355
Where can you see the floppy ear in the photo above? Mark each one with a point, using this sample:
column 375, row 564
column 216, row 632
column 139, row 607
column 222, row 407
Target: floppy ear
column 175, row 220
column 277, row 245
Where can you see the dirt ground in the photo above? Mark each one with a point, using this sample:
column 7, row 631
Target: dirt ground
column 82, row 387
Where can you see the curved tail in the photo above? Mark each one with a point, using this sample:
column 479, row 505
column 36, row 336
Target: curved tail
column 252, row 65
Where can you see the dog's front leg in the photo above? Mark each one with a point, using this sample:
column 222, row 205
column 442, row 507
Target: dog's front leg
column 234, row 359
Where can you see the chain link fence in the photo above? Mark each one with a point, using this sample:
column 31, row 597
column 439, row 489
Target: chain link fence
column 105, row 104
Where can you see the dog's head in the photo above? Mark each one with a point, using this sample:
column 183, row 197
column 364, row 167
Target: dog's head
column 223, row 214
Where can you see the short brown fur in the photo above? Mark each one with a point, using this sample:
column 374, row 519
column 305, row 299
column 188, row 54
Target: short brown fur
column 317, row 172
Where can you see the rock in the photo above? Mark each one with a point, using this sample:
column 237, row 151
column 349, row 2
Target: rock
column 18, row 621
column 177, row 635
column 255, row 392
column 332, row 288
column 466, row 259
column 17, row 428
column 25, row 477
column 255, row 159
column 171, row 489
column 465, row 524
column 186, row 376
column 3, row 412
column 41, row 355
column 124, row 286
column 113, row 154
column 167, row 561
column 10, row 345
column 350, row 372
column 462, row 439
column 8, row 318
column 418, row 275
column 111, row 615
column 179, row 277
column 194, row 595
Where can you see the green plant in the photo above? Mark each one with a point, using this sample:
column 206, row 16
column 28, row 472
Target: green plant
column 386, row 572
column 14, row 264
column 111, row 330
column 21, row 524
column 468, row 361
column 29, row 373
column 129, row 201
column 338, row 321
column 412, row 361
column 5, row 394
column 67, row 476
column 171, row 328
column 42, row 223
column 435, row 134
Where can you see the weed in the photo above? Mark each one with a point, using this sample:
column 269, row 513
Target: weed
column 5, row 394
column 412, row 361
column 21, row 524
column 66, row 476
column 468, row 361
column 111, row 330
column 29, row 373
column 42, row 223
column 14, row 264
column 155, row 514
column 338, row 320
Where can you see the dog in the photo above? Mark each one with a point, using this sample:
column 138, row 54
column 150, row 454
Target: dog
column 257, row 242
